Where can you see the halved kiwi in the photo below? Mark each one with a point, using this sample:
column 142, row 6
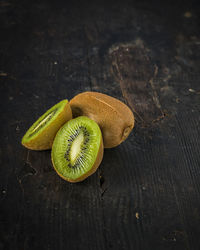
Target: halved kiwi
column 41, row 134
column 77, row 149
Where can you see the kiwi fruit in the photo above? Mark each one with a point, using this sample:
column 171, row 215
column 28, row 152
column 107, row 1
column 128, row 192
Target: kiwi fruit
column 77, row 149
column 41, row 134
column 115, row 118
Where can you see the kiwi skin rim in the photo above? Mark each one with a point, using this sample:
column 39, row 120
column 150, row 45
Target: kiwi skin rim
column 44, row 139
column 91, row 171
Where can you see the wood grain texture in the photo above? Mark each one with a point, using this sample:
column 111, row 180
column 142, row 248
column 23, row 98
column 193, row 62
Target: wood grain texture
column 146, row 193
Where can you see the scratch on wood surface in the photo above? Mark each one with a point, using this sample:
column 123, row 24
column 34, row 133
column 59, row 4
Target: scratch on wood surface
column 123, row 92
column 151, row 81
column 158, row 119
column 179, row 210
column 27, row 170
column 132, row 68
column 29, row 162
column 155, row 96
column 102, row 183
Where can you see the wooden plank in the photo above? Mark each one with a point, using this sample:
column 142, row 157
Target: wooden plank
column 145, row 195
column 46, row 212
column 142, row 201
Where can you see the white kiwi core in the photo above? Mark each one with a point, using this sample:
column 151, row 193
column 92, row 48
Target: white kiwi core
column 76, row 147
column 42, row 122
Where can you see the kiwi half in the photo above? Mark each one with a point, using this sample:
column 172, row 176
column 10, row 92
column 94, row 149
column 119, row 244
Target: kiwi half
column 41, row 134
column 77, row 149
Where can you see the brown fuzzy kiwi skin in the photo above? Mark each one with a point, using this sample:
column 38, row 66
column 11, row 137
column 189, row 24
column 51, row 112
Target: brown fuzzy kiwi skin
column 115, row 118
column 44, row 140
column 92, row 170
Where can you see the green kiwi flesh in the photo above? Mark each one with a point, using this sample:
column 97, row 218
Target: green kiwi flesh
column 41, row 123
column 45, row 127
column 77, row 149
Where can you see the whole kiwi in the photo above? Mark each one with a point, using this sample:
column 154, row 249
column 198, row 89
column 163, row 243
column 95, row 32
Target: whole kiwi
column 115, row 118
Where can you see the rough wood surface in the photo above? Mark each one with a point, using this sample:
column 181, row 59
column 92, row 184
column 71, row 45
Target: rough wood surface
column 146, row 193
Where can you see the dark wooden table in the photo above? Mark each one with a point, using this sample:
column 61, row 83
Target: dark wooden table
column 146, row 193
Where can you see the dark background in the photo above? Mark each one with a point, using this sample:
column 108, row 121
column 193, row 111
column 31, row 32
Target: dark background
column 146, row 193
